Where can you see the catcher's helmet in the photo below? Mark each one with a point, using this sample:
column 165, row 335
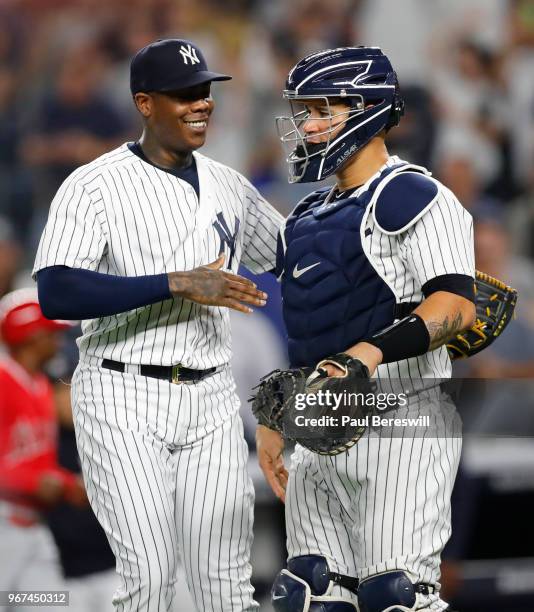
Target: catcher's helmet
column 360, row 76
column 21, row 317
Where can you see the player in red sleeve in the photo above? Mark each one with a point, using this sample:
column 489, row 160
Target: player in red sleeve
column 30, row 478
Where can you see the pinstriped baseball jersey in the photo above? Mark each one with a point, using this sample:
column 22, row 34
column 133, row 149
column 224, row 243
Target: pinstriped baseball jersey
column 123, row 216
column 440, row 242
column 164, row 464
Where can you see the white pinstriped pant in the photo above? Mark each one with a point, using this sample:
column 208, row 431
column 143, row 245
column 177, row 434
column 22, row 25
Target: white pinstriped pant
column 383, row 505
column 165, row 470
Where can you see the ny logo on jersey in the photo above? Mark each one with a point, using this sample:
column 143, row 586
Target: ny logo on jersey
column 224, row 234
column 189, row 53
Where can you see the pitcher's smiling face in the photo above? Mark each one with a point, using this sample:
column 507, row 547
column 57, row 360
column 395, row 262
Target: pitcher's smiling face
column 178, row 119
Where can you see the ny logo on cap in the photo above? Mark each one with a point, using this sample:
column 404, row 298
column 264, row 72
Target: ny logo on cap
column 189, row 53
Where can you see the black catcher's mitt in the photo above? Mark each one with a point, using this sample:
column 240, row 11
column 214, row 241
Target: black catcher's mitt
column 276, row 391
column 325, row 414
column 495, row 304
column 341, row 416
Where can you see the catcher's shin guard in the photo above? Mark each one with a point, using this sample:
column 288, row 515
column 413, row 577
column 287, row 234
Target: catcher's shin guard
column 390, row 592
column 306, row 586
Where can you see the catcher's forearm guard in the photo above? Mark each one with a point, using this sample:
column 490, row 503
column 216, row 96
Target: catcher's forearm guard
column 495, row 304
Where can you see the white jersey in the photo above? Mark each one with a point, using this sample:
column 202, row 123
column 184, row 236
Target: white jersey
column 439, row 242
column 123, row 216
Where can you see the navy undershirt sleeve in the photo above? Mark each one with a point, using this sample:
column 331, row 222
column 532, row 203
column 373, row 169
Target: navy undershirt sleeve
column 460, row 284
column 75, row 294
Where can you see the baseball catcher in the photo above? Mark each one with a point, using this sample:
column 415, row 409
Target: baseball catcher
column 377, row 271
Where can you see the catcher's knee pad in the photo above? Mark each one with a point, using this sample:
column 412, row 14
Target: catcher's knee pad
column 390, row 592
column 305, row 586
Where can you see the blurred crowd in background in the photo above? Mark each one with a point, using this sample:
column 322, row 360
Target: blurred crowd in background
column 466, row 69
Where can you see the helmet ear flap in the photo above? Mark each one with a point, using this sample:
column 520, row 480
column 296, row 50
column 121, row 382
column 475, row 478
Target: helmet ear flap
column 397, row 111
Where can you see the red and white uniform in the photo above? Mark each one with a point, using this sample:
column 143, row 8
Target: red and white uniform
column 27, row 449
column 28, row 432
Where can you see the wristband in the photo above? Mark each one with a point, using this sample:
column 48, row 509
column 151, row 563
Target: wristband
column 406, row 338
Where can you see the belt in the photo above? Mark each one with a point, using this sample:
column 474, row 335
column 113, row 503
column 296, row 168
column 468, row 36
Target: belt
column 175, row 374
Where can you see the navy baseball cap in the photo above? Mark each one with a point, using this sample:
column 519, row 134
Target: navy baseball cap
column 169, row 65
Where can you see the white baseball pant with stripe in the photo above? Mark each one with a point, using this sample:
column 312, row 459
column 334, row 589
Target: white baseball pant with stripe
column 382, row 505
column 165, row 469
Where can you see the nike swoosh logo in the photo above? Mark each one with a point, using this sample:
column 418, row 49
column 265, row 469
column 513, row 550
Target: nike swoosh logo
column 297, row 273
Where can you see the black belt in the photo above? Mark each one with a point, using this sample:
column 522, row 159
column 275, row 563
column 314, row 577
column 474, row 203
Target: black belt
column 175, row 374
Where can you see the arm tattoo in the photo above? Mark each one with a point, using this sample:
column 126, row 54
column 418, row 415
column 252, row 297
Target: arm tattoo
column 202, row 285
column 197, row 283
column 442, row 331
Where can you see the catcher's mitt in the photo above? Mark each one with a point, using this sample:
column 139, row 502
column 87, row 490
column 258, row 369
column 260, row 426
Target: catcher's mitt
column 344, row 420
column 276, row 391
column 495, row 303
column 324, row 414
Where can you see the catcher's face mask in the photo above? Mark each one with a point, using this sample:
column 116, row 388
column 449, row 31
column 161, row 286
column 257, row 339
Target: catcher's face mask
column 354, row 75
column 314, row 129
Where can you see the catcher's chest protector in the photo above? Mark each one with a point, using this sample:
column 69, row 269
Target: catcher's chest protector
column 332, row 295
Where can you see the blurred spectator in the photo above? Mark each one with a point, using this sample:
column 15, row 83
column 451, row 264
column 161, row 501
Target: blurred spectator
column 422, row 23
column 379, row 23
column 472, row 107
column 512, row 356
column 415, row 136
column 258, row 349
column 10, row 257
column 519, row 62
column 306, row 26
column 458, row 171
column 494, row 255
column 15, row 195
column 74, row 125
column 8, row 125
column 123, row 41
column 522, row 224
